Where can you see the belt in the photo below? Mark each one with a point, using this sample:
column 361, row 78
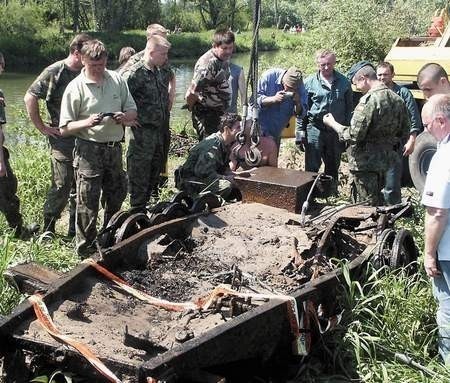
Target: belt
column 109, row 144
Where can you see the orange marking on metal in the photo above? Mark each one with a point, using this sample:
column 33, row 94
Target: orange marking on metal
column 47, row 323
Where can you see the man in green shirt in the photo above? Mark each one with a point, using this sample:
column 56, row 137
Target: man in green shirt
column 93, row 109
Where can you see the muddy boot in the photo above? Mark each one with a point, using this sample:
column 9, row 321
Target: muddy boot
column 49, row 226
column 71, row 231
column 26, row 232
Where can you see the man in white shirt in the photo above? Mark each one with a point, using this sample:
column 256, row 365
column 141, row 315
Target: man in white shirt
column 436, row 198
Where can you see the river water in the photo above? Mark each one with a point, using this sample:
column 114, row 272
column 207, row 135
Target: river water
column 14, row 85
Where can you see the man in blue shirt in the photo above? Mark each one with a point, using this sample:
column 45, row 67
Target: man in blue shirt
column 385, row 73
column 328, row 92
column 281, row 94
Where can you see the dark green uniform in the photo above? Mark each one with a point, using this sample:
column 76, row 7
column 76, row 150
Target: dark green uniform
column 145, row 156
column 167, row 75
column 50, row 86
column 211, row 81
column 9, row 202
column 379, row 125
column 204, row 168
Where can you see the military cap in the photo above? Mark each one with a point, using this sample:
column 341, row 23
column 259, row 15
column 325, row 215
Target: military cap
column 292, row 77
column 356, row 67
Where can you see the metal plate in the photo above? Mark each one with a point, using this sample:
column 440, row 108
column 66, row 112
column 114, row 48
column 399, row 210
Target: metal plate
column 282, row 188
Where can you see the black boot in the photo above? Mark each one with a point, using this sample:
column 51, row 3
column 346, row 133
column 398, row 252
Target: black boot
column 25, row 232
column 49, row 225
column 71, row 231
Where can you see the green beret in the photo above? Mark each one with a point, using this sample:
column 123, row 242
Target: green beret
column 356, row 67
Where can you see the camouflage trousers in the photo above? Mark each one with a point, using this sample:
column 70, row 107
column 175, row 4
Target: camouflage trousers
column 98, row 171
column 370, row 186
column 145, row 160
column 194, row 185
column 9, row 202
column 166, row 136
column 63, row 186
column 205, row 121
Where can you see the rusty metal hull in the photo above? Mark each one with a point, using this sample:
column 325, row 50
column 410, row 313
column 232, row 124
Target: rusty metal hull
column 258, row 334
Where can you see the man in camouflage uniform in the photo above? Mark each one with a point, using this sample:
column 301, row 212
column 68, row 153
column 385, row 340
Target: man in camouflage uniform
column 210, row 92
column 98, row 150
column 9, row 202
column 377, row 129
column 50, row 86
column 145, row 151
column 168, row 79
column 207, row 166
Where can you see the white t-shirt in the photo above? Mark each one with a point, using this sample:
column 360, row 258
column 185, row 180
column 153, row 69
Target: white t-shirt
column 436, row 192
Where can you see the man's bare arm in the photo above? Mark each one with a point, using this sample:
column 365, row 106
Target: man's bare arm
column 32, row 106
column 435, row 223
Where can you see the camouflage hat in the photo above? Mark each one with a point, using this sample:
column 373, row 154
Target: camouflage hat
column 292, row 77
column 356, row 67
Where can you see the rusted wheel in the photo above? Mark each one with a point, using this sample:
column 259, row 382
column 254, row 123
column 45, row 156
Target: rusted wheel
column 383, row 253
column 107, row 235
column 404, row 251
column 175, row 210
column 207, row 200
column 132, row 225
column 159, row 207
column 184, row 198
column 156, row 219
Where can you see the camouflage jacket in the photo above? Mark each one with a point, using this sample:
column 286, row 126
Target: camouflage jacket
column 211, row 81
column 166, row 71
column 50, row 86
column 379, row 124
column 150, row 93
column 207, row 160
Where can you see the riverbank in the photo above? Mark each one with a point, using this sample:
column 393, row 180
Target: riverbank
column 41, row 50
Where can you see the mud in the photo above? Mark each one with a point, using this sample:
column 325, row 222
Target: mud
column 253, row 247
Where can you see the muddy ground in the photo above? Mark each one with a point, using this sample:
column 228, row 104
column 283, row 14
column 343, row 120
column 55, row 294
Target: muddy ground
column 249, row 245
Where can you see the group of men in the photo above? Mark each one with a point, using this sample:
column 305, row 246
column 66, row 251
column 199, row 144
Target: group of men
column 89, row 106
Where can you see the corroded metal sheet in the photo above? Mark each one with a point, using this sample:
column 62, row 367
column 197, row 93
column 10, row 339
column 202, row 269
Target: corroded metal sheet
column 282, row 188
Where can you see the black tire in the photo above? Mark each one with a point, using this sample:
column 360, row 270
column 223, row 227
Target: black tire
column 404, row 252
column 420, row 159
column 382, row 254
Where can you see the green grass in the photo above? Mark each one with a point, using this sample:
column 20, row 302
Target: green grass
column 384, row 312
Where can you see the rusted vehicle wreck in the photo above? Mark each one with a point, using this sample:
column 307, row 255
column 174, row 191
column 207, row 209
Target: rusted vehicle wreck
column 195, row 291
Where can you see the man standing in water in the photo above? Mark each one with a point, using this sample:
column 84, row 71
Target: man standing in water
column 50, row 86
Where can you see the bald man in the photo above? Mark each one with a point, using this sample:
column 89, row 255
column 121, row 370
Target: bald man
column 436, row 198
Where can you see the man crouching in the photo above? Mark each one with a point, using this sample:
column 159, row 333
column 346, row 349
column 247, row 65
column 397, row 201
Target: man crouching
column 207, row 166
